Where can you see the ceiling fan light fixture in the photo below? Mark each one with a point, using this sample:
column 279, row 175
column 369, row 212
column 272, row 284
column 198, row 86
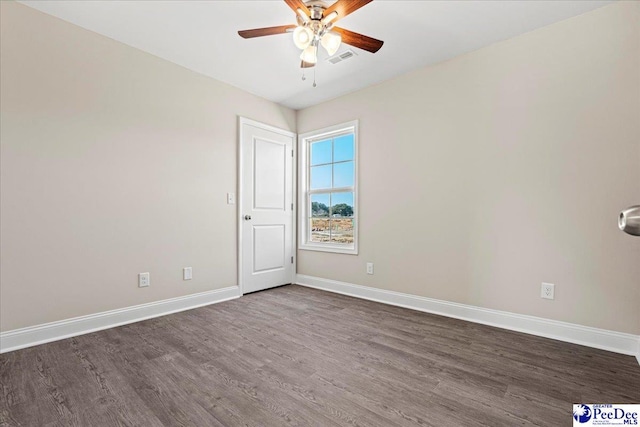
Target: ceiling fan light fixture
column 315, row 26
column 331, row 42
column 310, row 54
column 302, row 37
column 330, row 17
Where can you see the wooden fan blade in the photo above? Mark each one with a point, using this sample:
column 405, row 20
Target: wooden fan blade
column 306, row 64
column 268, row 31
column 345, row 7
column 297, row 4
column 359, row 40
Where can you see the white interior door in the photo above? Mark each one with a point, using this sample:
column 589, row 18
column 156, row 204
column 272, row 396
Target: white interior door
column 266, row 206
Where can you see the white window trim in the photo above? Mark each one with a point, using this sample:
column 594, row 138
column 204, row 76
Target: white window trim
column 303, row 189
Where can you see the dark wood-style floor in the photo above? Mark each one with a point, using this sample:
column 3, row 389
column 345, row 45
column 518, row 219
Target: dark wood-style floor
column 298, row 356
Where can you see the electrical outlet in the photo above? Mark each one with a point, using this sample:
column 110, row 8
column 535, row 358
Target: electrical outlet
column 547, row 290
column 144, row 280
column 187, row 273
column 369, row 268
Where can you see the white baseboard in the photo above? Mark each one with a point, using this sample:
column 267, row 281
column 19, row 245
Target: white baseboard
column 617, row 342
column 54, row 331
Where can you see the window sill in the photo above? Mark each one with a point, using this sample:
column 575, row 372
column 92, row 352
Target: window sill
column 349, row 250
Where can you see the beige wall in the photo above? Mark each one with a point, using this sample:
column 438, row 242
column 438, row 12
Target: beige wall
column 485, row 175
column 114, row 162
column 480, row 177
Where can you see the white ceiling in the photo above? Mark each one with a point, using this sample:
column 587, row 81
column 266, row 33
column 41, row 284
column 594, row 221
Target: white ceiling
column 202, row 36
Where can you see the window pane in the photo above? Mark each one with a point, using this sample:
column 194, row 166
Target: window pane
column 319, row 230
column 343, row 148
column 320, row 177
column 321, row 152
column 343, row 174
column 341, row 205
column 342, row 230
column 329, row 190
column 320, row 205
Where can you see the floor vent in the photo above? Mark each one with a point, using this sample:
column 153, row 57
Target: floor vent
column 342, row 57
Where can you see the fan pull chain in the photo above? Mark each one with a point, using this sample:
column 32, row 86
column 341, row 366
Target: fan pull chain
column 303, row 76
column 314, row 77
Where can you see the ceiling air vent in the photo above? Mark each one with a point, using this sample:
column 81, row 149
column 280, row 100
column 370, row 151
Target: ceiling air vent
column 342, row 57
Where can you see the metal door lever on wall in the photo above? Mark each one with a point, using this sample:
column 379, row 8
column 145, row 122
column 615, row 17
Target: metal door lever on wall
column 629, row 220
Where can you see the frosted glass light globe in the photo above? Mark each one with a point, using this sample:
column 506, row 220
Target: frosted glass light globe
column 310, row 54
column 331, row 42
column 302, row 37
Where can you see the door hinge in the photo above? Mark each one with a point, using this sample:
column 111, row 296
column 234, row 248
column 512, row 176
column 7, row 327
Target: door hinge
column 291, row 260
column 291, row 153
column 291, row 206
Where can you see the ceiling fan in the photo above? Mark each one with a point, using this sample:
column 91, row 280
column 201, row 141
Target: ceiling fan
column 315, row 26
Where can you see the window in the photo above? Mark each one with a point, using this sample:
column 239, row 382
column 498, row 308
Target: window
column 328, row 189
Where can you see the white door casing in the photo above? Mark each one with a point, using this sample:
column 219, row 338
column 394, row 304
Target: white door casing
column 266, row 207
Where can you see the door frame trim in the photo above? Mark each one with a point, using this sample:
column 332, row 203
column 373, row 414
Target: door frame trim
column 294, row 172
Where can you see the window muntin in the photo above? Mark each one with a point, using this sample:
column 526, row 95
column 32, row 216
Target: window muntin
column 328, row 188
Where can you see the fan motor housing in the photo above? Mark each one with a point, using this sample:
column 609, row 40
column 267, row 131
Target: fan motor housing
column 316, row 9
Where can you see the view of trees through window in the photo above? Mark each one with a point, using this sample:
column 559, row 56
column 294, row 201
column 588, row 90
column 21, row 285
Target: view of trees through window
column 331, row 187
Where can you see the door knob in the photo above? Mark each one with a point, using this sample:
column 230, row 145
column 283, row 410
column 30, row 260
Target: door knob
column 247, row 217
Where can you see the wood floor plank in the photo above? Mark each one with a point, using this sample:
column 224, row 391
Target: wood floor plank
column 283, row 408
column 536, row 407
column 321, row 396
column 294, row 356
